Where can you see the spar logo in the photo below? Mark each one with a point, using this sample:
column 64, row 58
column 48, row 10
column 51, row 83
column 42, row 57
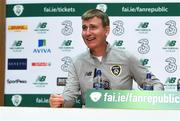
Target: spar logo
column 18, row 9
column 118, row 29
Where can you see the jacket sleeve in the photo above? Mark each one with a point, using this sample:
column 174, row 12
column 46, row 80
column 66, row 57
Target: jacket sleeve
column 138, row 72
column 71, row 90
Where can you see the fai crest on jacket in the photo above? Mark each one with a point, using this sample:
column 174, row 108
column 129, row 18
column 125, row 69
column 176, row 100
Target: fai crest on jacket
column 116, row 70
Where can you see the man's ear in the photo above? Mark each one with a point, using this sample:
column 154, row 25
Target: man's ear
column 107, row 30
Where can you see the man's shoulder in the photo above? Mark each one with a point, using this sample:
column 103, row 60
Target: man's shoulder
column 119, row 52
column 80, row 56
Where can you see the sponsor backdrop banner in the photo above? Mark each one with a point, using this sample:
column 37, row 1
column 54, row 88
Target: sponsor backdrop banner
column 42, row 39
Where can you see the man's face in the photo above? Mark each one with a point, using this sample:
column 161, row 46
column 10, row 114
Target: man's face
column 93, row 33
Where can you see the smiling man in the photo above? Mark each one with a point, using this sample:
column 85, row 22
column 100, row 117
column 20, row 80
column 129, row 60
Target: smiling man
column 116, row 69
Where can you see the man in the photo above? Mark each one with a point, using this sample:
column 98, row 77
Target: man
column 118, row 69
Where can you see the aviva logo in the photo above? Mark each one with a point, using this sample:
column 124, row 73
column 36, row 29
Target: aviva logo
column 41, row 47
column 41, row 42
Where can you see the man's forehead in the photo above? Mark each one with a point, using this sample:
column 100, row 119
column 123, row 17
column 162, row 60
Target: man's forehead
column 92, row 20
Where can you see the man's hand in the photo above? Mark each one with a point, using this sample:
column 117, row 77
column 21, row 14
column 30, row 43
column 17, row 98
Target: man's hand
column 56, row 100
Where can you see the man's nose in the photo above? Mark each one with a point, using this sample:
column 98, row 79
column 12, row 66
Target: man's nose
column 88, row 31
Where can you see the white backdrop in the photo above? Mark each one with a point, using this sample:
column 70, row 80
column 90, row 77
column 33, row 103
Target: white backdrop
column 41, row 40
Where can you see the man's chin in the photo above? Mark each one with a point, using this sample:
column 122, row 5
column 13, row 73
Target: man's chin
column 91, row 45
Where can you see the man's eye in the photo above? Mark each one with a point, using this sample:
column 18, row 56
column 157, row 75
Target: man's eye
column 84, row 28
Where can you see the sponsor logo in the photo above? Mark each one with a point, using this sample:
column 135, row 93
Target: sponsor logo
column 67, row 30
column 17, row 28
column 118, row 30
column 171, row 29
column 171, row 67
column 143, row 28
column 119, row 44
column 17, row 46
column 116, row 70
column 16, row 81
column 40, row 81
column 144, row 47
column 67, row 61
column 66, row 45
column 170, row 46
column 41, row 64
column 145, row 62
column 41, row 47
column 41, row 28
column 88, row 73
column 16, row 100
column 17, row 64
column 170, row 84
column 61, row 81
column 18, row 10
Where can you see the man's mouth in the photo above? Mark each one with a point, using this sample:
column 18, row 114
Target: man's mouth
column 90, row 39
